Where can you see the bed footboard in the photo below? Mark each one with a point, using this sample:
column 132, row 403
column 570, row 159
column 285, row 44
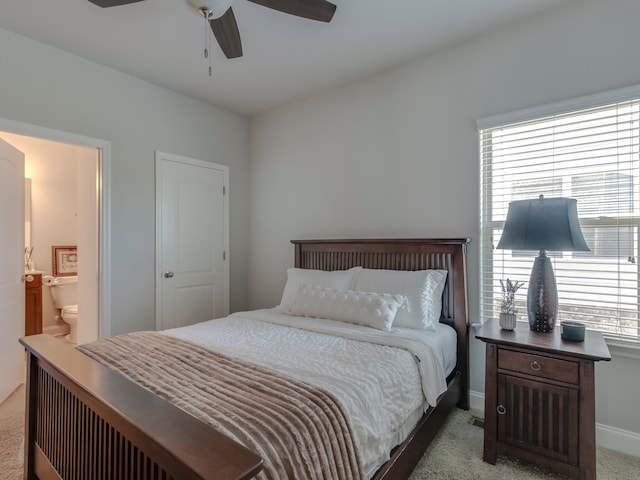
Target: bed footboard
column 84, row 421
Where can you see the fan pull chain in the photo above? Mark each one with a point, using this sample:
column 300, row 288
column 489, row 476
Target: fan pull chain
column 207, row 42
column 209, row 48
column 206, row 38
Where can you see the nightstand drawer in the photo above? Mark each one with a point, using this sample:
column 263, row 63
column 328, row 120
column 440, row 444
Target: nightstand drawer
column 538, row 365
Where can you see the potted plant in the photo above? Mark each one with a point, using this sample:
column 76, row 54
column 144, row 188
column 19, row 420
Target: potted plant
column 508, row 307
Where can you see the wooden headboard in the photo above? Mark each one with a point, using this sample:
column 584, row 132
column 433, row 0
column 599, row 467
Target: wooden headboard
column 404, row 254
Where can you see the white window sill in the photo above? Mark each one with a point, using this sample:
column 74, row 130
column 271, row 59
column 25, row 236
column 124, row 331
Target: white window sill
column 622, row 348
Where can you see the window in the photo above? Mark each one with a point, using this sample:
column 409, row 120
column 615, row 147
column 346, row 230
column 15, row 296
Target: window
column 590, row 154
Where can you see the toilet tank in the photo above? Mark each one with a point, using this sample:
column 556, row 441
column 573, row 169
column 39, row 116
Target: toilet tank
column 64, row 291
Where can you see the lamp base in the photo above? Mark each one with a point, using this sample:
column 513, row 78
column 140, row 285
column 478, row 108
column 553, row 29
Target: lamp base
column 542, row 297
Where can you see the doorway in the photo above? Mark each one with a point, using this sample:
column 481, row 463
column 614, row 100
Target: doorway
column 92, row 220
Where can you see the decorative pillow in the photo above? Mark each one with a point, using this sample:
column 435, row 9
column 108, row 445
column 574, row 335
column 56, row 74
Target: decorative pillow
column 296, row 277
column 363, row 308
column 423, row 289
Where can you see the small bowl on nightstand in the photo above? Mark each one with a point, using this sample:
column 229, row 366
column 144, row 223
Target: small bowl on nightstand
column 572, row 331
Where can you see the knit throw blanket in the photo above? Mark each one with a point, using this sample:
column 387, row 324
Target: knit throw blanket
column 300, row 431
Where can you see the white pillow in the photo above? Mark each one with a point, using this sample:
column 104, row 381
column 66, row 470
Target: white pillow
column 423, row 289
column 296, row 277
column 363, row 308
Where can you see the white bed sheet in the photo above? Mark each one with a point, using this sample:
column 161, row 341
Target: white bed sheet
column 384, row 380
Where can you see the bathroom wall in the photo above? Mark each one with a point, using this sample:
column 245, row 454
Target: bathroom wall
column 52, row 168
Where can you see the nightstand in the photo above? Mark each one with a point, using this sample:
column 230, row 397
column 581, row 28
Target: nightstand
column 539, row 397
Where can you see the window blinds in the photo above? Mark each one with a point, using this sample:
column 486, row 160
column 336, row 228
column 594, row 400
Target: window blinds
column 591, row 155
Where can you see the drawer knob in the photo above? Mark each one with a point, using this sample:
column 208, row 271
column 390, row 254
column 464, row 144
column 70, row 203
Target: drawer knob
column 535, row 366
column 501, row 409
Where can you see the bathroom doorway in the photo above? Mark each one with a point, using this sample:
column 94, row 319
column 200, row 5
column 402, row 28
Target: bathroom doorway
column 86, row 226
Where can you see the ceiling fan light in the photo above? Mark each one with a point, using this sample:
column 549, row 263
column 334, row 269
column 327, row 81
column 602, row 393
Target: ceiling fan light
column 215, row 8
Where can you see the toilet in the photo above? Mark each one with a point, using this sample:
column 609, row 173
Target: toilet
column 64, row 293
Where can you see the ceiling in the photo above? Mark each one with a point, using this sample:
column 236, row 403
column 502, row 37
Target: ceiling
column 285, row 57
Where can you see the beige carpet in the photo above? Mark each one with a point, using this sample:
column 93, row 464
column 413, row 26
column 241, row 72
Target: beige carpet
column 456, row 454
column 11, row 451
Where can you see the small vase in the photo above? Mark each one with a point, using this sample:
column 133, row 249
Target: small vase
column 507, row 321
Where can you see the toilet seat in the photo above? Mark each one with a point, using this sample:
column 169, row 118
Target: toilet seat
column 70, row 309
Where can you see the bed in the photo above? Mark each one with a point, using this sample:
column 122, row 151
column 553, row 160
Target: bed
column 84, row 420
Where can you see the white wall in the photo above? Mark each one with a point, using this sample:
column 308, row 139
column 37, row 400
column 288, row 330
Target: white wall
column 397, row 154
column 43, row 86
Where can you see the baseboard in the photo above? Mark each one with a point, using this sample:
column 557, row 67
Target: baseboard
column 608, row 437
column 476, row 401
column 617, row 439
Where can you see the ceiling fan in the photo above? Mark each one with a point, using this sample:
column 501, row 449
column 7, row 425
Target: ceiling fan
column 223, row 23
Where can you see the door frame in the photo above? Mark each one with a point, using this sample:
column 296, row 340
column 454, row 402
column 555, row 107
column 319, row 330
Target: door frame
column 103, row 199
column 159, row 158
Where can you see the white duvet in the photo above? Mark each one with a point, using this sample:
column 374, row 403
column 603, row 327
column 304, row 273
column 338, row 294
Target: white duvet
column 383, row 380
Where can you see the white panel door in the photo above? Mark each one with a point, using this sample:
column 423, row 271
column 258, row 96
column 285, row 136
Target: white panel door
column 192, row 270
column 11, row 286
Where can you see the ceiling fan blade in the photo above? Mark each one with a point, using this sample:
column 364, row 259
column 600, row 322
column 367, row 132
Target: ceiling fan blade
column 320, row 10
column 112, row 3
column 225, row 29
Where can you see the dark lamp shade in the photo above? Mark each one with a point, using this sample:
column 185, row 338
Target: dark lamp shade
column 543, row 224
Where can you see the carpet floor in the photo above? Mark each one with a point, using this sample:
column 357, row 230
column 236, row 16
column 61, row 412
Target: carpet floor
column 11, row 446
column 455, row 454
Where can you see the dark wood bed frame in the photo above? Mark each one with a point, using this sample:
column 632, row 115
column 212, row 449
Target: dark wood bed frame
column 85, row 421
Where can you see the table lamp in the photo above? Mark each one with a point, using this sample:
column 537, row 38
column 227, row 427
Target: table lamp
column 543, row 224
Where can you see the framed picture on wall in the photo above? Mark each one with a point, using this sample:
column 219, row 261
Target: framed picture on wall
column 65, row 260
